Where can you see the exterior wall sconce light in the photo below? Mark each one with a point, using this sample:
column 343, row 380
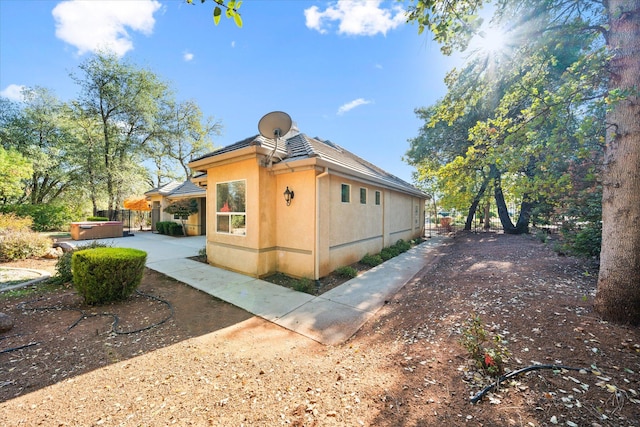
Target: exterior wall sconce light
column 288, row 196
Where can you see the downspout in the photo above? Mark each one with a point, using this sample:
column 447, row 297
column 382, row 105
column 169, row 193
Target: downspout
column 316, row 266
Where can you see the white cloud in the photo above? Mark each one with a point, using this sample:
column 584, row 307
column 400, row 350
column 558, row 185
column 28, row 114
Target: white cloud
column 378, row 66
column 100, row 24
column 13, row 92
column 356, row 17
column 233, row 44
column 188, row 56
column 351, row 105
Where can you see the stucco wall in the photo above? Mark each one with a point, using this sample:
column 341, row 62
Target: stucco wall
column 237, row 253
column 281, row 238
column 358, row 229
column 294, row 225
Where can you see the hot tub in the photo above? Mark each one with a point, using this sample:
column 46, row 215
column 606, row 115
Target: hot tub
column 89, row 230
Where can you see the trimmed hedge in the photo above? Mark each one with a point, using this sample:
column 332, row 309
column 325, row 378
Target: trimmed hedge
column 103, row 275
column 63, row 266
column 97, row 218
column 169, row 228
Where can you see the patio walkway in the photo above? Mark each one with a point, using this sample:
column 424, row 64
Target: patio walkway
column 331, row 318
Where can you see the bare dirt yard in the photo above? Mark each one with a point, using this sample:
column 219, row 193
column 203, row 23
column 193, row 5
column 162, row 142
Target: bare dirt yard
column 210, row 363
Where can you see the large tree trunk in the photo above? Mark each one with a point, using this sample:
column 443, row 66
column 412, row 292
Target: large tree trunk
column 618, row 294
column 476, row 201
column 503, row 212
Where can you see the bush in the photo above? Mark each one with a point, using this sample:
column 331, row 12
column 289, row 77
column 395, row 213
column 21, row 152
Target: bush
column 45, row 217
column 63, row 266
column 304, row 285
column 388, row 253
column 588, row 240
column 169, row 228
column 371, row 260
column 402, row 246
column 487, row 350
column 13, row 222
column 346, row 271
column 97, row 218
column 23, row 244
column 102, row 275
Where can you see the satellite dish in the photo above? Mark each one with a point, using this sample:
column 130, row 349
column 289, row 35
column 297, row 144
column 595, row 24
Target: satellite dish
column 274, row 125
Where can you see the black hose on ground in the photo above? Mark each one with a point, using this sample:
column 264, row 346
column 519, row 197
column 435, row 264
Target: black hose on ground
column 116, row 319
column 479, row 395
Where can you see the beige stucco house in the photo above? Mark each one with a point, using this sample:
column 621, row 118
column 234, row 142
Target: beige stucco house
column 163, row 196
column 339, row 208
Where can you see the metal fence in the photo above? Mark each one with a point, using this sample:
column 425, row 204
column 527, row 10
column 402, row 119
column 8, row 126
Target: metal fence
column 131, row 220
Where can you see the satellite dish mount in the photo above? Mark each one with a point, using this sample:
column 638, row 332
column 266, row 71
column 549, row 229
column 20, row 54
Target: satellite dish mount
column 273, row 126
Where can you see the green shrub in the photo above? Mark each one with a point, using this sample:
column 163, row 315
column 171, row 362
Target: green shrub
column 388, row 253
column 346, row 271
column 23, row 244
column 402, row 246
column 371, row 260
column 587, row 241
column 63, row 266
column 45, row 217
column 304, row 285
column 102, row 275
column 97, row 218
column 169, row 228
column 12, row 222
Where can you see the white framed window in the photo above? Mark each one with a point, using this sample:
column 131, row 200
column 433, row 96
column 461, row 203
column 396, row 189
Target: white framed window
column 363, row 196
column 345, row 193
column 231, row 206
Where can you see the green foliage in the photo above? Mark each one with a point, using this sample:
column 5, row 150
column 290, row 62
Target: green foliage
column 304, row 285
column 22, row 244
column 14, row 168
column 183, row 208
column 103, row 275
column 63, row 266
column 371, row 260
column 45, row 217
column 202, row 252
column 486, row 349
column 402, row 246
column 583, row 241
column 169, row 228
column 97, row 218
column 346, row 271
column 231, row 10
column 388, row 253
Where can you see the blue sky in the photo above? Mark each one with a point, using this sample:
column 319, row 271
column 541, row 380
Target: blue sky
column 350, row 71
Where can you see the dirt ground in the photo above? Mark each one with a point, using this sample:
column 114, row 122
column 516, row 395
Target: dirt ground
column 214, row 364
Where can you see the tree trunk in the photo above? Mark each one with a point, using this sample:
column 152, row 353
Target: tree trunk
column 503, row 213
column 618, row 295
column 476, row 201
column 487, row 214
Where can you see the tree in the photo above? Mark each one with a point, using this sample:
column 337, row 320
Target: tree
column 186, row 136
column 40, row 130
column 182, row 209
column 14, row 168
column 126, row 101
column 617, row 23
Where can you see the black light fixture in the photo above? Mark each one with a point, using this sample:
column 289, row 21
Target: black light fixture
column 288, row 196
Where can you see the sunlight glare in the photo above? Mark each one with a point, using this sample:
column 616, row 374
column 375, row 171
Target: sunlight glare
column 491, row 40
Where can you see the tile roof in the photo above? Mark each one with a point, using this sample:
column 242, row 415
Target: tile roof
column 176, row 189
column 296, row 146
